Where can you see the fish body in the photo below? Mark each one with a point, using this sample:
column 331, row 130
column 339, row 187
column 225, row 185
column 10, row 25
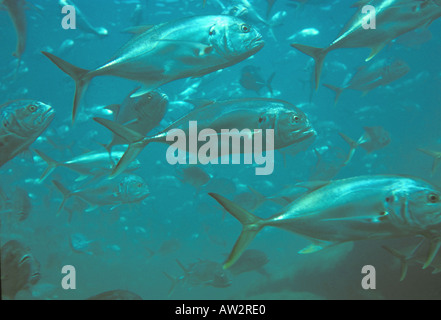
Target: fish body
column 250, row 260
column 374, row 138
column 16, row 10
column 126, row 189
column 190, row 47
column 202, row 273
column 393, row 19
column 252, row 80
column 140, row 114
column 21, row 123
column 359, row 208
column 92, row 164
column 373, row 76
column 290, row 124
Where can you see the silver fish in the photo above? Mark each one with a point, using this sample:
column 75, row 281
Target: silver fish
column 373, row 76
column 290, row 124
column 367, row 207
column 93, row 164
column 126, row 189
column 393, row 19
column 374, row 138
column 21, row 123
column 190, row 47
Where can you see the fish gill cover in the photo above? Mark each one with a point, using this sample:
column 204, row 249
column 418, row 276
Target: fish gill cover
column 115, row 183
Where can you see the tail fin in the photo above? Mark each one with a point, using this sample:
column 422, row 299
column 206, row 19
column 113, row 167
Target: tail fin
column 80, row 76
column 318, row 54
column 51, row 164
column 338, row 91
column 174, row 281
column 436, row 158
column 137, row 142
column 352, row 144
column 251, row 227
column 65, row 192
column 268, row 83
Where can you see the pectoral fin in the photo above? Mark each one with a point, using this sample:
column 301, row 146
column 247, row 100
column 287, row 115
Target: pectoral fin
column 375, row 51
column 315, row 246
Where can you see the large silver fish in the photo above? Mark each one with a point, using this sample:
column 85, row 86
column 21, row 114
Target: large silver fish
column 367, row 207
column 190, row 47
column 21, row 123
column 290, row 124
column 393, row 19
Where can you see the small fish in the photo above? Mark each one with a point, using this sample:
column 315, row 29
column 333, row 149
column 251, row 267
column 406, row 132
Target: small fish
column 140, row 114
column 201, row 273
column 16, row 10
column 21, row 123
column 79, row 243
column 126, row 189
column 190, row 47
column 359, row 208
column 82, row 22
column 373, row 76
column 374, row 138
column 116, row 295
column 393, row 19
column 92, row 164
column 193, row 175
column 291, row 125
column 20, row 269
column 251, row 80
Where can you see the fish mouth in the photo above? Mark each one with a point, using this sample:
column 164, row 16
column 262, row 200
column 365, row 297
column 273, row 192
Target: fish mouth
column 257, row 43
column 304, row 134
column 47, row 115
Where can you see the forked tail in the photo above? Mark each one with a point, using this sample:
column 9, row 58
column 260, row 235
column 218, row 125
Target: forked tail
column 137, row 142
column 81, row 77
column 250, row 223
column 318, row 54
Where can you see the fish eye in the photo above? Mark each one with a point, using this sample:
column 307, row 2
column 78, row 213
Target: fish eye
column 149, row 96
column 262, row 119
column 245, row 28
column 139, row 185
column 32, row 108
column 295, row 119
column 433, row 198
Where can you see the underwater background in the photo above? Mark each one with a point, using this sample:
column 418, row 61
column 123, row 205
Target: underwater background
column 131, row 246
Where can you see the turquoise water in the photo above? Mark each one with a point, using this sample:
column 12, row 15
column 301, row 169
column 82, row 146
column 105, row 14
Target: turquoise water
column 127, row 239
